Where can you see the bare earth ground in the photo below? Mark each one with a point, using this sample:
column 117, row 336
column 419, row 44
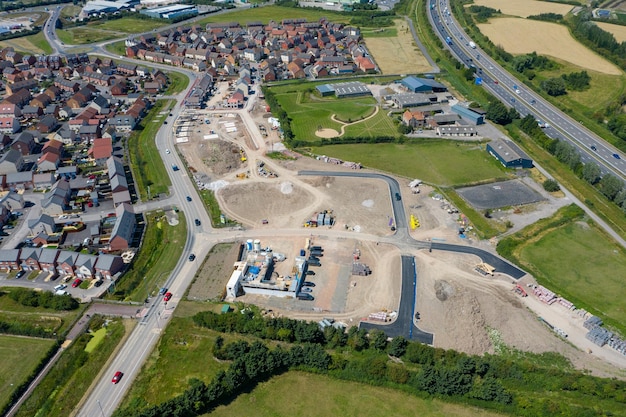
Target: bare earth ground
column 326, row 133
column 525, row 8
column 457, row 304
column 398, row 55
column 522, row 36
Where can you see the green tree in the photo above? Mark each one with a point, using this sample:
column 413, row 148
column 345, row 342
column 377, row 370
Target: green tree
column 554, row 86
column 610, row 185
column 498, row 113
column 551, row 185
column 398, row 346
column 591, row 173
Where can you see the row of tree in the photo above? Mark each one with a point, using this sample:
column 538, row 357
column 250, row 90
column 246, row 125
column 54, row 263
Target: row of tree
column 45, row 299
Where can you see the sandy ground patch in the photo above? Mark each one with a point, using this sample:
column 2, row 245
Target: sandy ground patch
column 398, row 55
column 617, row 30
column 326, row 133
column 520, row 36
column 525, row 8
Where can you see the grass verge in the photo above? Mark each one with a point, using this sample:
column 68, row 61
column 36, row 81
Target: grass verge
column 117, row 48
column 439, row 162
column 20, row 356
column 213, row 208
column 276, row 13
column 483, row 227
column 575, row 258
column 56, row 395
column 162, row 247
column 178, row 82
column 145, row 161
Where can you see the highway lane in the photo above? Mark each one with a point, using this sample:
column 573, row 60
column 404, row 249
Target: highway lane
column 513, row 93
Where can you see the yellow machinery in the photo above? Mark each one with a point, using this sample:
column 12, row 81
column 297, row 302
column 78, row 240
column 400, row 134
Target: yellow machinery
column 414, row 222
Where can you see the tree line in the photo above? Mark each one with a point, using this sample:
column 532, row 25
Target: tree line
column 45, row 299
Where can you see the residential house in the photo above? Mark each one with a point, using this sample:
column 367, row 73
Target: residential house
column 10, row 259
column 29, row 259
column 47, row 124
column 125, row 223
column 85, row 266
column 9, row 125
column 123, row 123
column 66, row 262
column 415, row 119
column 24, row 143
column 101, row 150
column 43, row 181
column 57, row 199
column 11, row 161
column 12, row 200
column 48, row 260
column 19, row 180
column 48, row 162
column 43, row 224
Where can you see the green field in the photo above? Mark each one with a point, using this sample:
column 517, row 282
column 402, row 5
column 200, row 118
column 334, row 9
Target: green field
column 308, row 111
column 82, row 35
column 53, row 321
column 19, row 357
column 161, row 250
column 321, row 396
column 379, row 33
column 580, row 262
column 127, row 24
column 377, row 126
column 277, row 13
column 438, row 162
column 145, row 161
column 31, row 44
column 102, row 30
column 177, row 82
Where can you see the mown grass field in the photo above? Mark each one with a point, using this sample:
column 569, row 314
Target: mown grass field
column 161, row 249
column 178, row 83
column 277, row 13
column 583, row 264
column 321, row 396
column 127, row 24
column 32, row 44
column 19, row 357
column 438, row 162
column 83, row 34
column 379, row 125
column 102, row 30
column 145, row 161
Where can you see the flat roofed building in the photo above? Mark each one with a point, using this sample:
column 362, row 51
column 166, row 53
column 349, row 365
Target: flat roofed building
column 509, row 154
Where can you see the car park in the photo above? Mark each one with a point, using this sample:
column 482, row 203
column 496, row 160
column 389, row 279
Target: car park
column 77, row 282
column 188, row 198
column 167, row 296
column 116, row 378
column 192, row 257
column 20, row 274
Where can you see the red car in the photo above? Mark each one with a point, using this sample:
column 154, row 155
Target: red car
column 116, row 378
column 167, row 296
column 77, row 282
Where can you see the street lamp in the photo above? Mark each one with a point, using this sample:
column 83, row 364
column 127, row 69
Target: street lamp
column 101, row 410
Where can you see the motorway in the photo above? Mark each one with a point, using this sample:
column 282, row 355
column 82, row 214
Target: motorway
column 513, row 93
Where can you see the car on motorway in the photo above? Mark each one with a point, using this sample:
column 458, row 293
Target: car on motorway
column 163, row 290
column 188, row 198
column 116, row 378
column 197, row 221
column 616, row 156
column 495, row 82
column 20, row 274
column 175, row 168
column 192, row 257
column 167, row 151
column 167, row 296
column 77, row 282
column 593, row 148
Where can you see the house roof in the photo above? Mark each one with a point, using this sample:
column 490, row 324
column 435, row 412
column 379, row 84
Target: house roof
column 9, row 255
column 124, row 223
column 101, row 148
column 67, row 257
column 48, row 256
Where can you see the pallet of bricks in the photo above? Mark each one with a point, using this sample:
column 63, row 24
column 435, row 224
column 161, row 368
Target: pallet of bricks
column 544, row 294
column 380, row 316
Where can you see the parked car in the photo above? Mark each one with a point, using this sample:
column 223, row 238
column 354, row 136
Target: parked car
column 192, row 257
column 305, row 296
column 77, row 282
column 60, row 287
column 310, row 272
column 167, row 296
column 116, row 378
column 98, row 283
column 20, row 274
column 307, row 289
column 308, row 284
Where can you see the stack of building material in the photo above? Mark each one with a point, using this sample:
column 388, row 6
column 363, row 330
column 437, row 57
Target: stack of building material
column 380, row 316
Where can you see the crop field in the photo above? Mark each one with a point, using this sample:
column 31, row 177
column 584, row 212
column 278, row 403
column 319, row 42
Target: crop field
column 324, row 396
column 525, row 8
column 397, row 54
column 580, row 262
column 276, row 13
column 32, row 44
column 521, row 36
column 309, row 112
column 18, row 358
column 445, row 163
column 618, row 31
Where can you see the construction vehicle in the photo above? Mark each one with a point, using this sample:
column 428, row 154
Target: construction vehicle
column 520, row 290
column 484, row 269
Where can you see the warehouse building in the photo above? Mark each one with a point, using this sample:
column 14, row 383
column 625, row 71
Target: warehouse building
column 509, row 154
column 468, row 114
column 351, row 89
column 171, row 12
column 422, row 85
column 413, row 99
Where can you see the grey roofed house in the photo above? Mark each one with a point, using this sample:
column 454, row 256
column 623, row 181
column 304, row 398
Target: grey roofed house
column 67, row 170
column 115, row 166
column 12, row 201
column 85, row 265
column 43, row 180
column 9, row 258
column 29, row 258
column 125, row 223
column 119, row 183
column 49, row 256
column 44, row 223
column 100, row 103
column 12, row 161
column 108, row 265
column 24, row 178
column 121, row 197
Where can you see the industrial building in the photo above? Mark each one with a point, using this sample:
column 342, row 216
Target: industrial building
column 171, row 12
column 96, row 7
column 422, row 85
column 341, row 90
column 468, row 114
column 254, row 273
column 413, row 99
column 509, row 154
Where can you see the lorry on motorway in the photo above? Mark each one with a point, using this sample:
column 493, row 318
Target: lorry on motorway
column 472, row 45
column 448, row 40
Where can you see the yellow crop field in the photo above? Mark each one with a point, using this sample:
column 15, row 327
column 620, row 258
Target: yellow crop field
column 617, row 30
column 524, row 8
column 398, row 54
column 522, row 36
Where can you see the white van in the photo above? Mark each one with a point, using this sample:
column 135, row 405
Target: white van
column 61, row 292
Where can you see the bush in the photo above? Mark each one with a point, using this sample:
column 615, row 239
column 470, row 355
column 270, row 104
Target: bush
column 551, row 185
